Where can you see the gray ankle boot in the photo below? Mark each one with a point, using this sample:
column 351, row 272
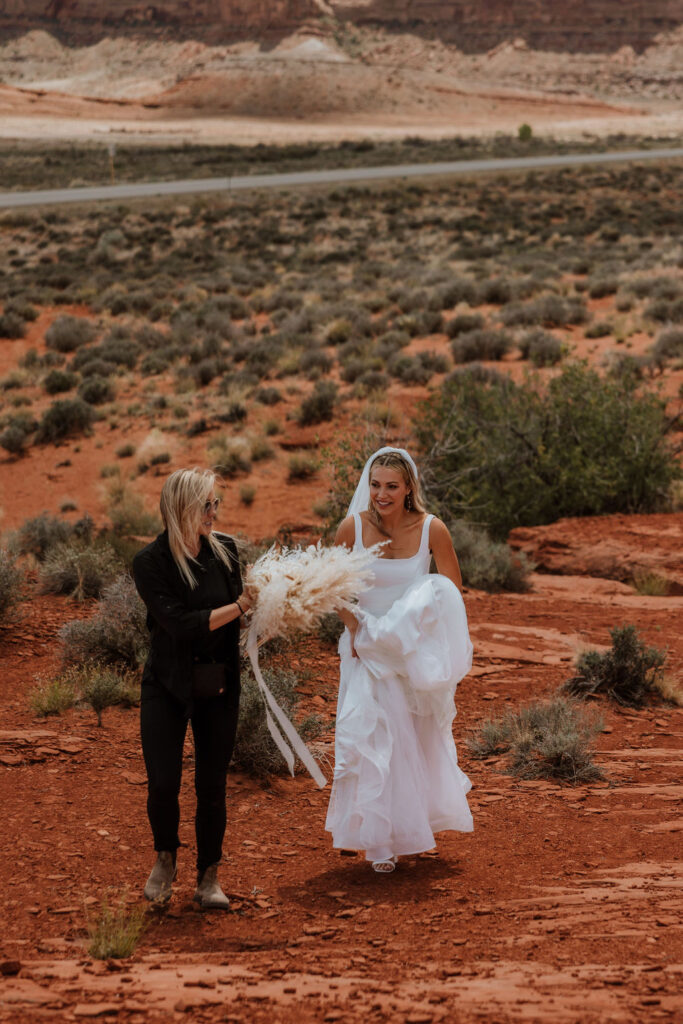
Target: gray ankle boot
column 209, row 893
column 163, row 873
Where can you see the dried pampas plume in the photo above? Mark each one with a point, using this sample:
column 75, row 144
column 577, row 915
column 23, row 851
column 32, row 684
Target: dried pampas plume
column 294, row 588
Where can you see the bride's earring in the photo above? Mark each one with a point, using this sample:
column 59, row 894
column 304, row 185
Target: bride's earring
column 409, row 500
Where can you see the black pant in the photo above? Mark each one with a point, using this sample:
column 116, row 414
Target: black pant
column 162, row 727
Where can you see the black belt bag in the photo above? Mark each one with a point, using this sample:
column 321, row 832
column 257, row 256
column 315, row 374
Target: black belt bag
column 208, row 679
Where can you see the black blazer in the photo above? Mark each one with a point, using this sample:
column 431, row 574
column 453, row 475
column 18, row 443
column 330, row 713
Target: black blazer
column 173, row 625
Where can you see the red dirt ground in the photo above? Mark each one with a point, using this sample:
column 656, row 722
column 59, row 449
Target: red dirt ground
column 564, row 905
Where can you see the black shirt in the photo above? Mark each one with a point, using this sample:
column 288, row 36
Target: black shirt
column 178, row 615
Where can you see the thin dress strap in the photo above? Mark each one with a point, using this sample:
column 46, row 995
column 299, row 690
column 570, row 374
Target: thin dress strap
column 424, row 542
column 358, row 540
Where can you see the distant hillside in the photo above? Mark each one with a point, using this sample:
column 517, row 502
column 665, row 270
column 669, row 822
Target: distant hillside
column 575, row 26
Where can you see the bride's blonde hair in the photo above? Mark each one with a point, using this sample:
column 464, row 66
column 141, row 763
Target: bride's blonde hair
column 413, row 500
column 183, row 497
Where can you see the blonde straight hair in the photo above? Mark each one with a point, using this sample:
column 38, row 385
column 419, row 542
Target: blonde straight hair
column 413, row 500
column 183, row 497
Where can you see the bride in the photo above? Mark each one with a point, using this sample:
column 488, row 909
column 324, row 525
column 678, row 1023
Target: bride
column 405, row 647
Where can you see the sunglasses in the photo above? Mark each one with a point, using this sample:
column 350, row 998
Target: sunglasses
column 211, row 506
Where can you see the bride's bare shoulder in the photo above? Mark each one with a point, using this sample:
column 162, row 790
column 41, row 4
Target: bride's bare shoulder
column 346, row 532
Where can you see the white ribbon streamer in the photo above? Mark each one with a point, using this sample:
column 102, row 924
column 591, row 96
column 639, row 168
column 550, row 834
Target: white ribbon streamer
column 297, row 744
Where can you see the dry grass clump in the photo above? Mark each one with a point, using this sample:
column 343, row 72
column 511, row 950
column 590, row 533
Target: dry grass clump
column 650, row 583
column 545, row 739
column 12, row 581
column 116, row 929
column 628, row 673
column 53, row 696
column 229, row 456
column 126, row 509
column 302, row 466
column 91, row 684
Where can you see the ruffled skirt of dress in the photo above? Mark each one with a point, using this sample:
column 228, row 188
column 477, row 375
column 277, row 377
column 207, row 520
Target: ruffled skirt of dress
column 397, row 779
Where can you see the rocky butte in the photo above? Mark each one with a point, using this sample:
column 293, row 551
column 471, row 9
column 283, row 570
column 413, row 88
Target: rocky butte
column 472, row 25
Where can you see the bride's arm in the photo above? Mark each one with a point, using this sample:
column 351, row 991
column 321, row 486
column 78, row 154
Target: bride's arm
column 345, row 537
column 442, row 548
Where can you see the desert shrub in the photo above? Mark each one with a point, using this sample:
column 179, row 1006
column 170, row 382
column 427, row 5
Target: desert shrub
column 261, row 449
column 496, row 290
column 545, row 739
column 255, row 751
column 267, row 396
column 14, row 439
column 512, row 455
column 229, row 456
column 464, row 322
column 53, row 696
column 11, row 586
column 93, row 366
column 96, row 390
column 487, row 564
column 599, row 329
column 115, row 635
column 126, row 509
column 12, row 325
column 319, row 405
column 116, row 929
column 599, row 287
column 78, row 570
column 459, row 289
column 338, row 332
column 125, row 451
column 629, row 672
column 154, row 364
column 58, row 381
column 330, row 629
column 22, row 307
column 102, row 686
column 14, row 380
column 669, row 345
column 650, row 583
column 302, row 466
column 247, row 494
column 548, row 311
column 408, row 369
column 67, row 417
column 371, row 380
column 664, row 311
column 41, row 533
column 68, row 333
column 315, row 362
column 481, row 343
column 118, row 349
column 542, row 348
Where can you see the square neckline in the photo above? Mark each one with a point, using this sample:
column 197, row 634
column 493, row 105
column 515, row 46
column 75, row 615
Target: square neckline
column 409, row 558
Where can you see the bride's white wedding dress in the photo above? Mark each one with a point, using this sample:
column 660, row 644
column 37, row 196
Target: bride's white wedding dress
column 396, row 777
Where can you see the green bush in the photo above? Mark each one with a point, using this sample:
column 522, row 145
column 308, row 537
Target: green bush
column 68, row 333
column 481, row 343
column 12, row 325
column 255, row 751
column 669, row 345
column 545, row 739
column 515, row 455
column 599, row 329
column 78, row 570
column 13, row 439
column 96, row 390
column 319, row 405
column 629, row 672
column 101, row 687
column 464, row 322
column 116, row 634
column 57, row 381
column 67, row 417
column 487, row 564
column 11, row 586
column 542, row 348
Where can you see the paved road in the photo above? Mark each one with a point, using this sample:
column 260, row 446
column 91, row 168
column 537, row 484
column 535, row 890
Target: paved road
column 347, row 176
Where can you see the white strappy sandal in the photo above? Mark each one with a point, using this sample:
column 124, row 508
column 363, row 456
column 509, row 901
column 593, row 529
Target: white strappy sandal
column 384, row 867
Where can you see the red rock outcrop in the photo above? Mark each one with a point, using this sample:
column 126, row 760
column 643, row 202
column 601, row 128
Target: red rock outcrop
column 472, row 25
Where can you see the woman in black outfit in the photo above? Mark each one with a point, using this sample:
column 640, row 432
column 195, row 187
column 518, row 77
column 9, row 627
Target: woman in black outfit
column 189, row 579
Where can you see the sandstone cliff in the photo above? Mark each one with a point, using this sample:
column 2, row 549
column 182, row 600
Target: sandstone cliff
column 472, row 25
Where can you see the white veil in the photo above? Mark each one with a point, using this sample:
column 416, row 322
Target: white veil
column 361, row 497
